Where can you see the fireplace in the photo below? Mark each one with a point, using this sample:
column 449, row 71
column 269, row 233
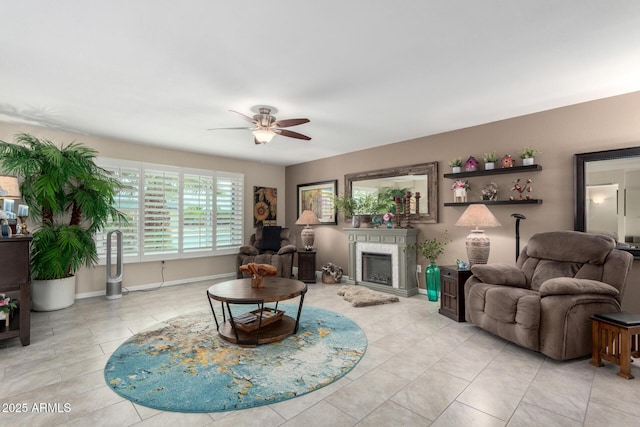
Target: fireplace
column 376, row 268
column 380, row 259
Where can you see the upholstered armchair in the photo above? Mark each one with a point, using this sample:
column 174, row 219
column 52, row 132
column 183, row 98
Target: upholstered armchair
column 269, row 245
column 545, row 302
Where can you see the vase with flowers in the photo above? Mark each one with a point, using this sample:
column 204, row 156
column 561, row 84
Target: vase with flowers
column 6, row 306
column 460, row 189
column 388, row 219
column 431, row 249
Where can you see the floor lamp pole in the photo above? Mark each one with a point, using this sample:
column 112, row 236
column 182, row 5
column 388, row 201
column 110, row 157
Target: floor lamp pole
column 518, row 217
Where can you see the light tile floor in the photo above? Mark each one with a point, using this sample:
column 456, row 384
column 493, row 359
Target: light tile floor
column 420, row 369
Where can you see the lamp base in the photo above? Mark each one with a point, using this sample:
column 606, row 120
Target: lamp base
column 308, row 236
column 477, row 247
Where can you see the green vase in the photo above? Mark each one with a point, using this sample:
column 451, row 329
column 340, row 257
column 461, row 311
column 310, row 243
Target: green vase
column 432, row 277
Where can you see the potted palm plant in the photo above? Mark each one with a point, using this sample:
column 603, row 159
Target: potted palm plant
column 71, row 198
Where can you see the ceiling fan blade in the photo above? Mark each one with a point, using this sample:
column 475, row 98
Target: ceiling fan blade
column 245, row 117
column 290, row 122
column 291, row 134
column 229, row 128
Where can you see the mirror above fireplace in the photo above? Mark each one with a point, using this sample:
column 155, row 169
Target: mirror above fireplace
column 421, row 178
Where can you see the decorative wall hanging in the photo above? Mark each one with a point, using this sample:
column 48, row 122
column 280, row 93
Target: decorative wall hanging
column 265, row 206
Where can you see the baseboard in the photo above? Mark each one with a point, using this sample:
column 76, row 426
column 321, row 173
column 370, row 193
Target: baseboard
column 156, row 285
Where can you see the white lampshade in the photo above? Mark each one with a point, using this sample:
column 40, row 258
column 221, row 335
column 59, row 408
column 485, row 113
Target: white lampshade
column 263, row 135
column 9, row 187
column 477, row 243
column 308, row 218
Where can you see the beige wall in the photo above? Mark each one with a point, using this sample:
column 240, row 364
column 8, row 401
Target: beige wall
column 92, row 281
column 559, row 134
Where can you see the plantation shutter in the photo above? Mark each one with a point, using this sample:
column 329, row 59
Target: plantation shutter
column 161, row 230
column 229, row 210
column 127, row 201
column 198, row 213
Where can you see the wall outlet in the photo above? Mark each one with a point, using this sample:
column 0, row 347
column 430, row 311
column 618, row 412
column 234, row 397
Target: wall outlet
column 418, row 268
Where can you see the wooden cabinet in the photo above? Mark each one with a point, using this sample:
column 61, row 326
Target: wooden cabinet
column 452, row 292
column 14, row 276
column 499, row 171
column 307, row 266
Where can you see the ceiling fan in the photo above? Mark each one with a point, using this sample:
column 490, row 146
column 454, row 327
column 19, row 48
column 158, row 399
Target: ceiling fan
column 267, row 126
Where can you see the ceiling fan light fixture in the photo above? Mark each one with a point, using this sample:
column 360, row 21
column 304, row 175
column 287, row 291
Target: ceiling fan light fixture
column 263, row 135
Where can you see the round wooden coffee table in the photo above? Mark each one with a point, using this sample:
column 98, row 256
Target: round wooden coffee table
column 239, row 291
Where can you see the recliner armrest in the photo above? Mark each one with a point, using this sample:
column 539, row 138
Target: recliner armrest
column 573, row 286
column 249, row 250
column 500, row 274
column 288, row 249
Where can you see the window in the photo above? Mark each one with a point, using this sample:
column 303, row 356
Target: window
column 175, row 212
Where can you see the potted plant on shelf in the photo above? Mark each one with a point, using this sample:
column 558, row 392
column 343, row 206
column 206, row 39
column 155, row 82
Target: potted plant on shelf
column 7, row 305
column 72, row 198
column 460, row 189
column 528, row 156
column 359, row 206
column 456, row 165
column 431, row 249
column 489, row 160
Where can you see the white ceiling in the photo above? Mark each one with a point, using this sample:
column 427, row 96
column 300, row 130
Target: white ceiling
column 365, row 72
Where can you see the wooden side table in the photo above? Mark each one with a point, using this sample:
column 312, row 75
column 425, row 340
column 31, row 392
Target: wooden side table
column 452, row 292
column 14, row 276
column 307, row 265
column 615, row 342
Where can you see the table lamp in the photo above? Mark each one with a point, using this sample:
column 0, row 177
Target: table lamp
column 308, row 218
column 477, row 243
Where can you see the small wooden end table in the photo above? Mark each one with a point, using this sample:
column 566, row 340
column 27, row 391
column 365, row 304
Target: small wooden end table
column 452, row 292
column 307, row 265
column 239, row 291
column 615, row 341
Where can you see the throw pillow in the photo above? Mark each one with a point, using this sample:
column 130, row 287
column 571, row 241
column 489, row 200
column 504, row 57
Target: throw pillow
column 270, row 238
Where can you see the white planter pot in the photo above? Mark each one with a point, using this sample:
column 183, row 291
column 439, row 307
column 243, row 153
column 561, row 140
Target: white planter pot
column 489, row 165
column 50, row 295
column 455, row 169
column 528, row 161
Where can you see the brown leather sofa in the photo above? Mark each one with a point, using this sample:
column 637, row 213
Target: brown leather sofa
column 269, row 245
column 545, row 302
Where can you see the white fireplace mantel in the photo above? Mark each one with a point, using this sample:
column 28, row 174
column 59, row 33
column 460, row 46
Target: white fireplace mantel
column 388, row 241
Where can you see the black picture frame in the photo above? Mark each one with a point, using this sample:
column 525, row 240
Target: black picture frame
column 318, row 197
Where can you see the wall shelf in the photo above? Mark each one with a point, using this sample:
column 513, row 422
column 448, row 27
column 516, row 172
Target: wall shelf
column 497, row 202
column 499, row 171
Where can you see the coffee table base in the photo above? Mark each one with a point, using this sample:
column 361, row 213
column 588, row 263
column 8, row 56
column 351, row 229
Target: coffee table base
column 274, row 332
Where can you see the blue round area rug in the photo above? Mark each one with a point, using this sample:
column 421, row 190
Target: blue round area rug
column 182, row 365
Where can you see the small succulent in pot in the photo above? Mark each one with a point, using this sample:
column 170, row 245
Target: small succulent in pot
column 529, row 153
column 491, row 157
column 456, row 163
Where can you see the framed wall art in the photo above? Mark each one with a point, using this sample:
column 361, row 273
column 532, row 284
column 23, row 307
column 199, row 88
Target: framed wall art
column 318, row 198
column 265, row 206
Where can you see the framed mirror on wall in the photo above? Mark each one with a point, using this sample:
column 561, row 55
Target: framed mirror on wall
column 607, row 195
column 422, row 178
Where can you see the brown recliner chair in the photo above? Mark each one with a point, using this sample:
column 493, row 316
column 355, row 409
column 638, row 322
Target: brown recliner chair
column 269, row 245
column 545, row 302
